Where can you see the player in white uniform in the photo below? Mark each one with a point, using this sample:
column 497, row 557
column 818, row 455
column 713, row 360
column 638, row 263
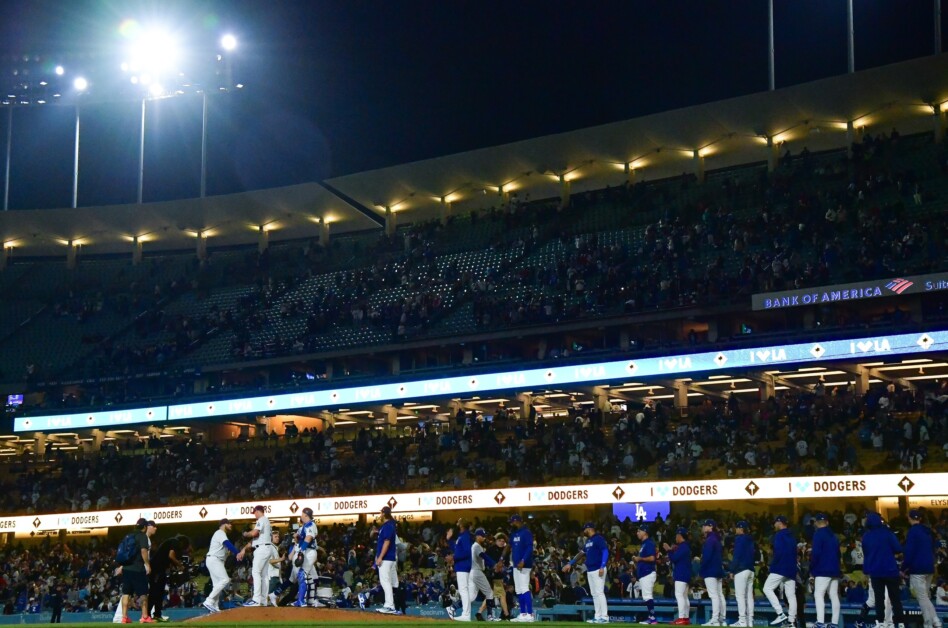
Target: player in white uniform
column 305, row 560
column 216, row 555
column 259, row 540
column 479, row 582
column 275, row 561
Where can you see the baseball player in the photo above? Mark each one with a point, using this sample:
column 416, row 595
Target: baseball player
column 463, row 553
column 305, row 560
column 712, row 570
column 259, row 539
column 742, row 566
column 386, row 561
column 880, row 545
column 824, row 567
column 521, row 556
column 783, row 572
column 680, row 557
column 481, row 560
column 216, row 554
column 919, row 563
column 597, row 557
column 645, row 571
column 276, row 561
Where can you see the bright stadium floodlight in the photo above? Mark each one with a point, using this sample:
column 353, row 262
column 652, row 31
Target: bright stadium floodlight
column 155, row 90
column 80, row 84
column 154, row 51
column 60, row 70
column 228, row 42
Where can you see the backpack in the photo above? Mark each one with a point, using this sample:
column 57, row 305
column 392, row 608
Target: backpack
column 127, row 550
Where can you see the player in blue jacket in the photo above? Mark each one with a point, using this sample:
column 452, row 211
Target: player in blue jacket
column 783, row 572
column 462, row 568
column 880, row 547
column 645, row 571
column 386, row 561
column 919, row 563
column 712, row 570
column 521, row 557
column 679, row 555
column 742, row 567
column 597, row 557
column 824, row 567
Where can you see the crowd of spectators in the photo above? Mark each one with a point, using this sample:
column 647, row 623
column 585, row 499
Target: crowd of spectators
column 79, row 576
column 816, row 432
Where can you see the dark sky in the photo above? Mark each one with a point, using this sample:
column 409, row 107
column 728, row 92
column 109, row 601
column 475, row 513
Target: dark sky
column 335, row 87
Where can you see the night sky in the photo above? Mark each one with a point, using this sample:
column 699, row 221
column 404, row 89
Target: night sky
column 335, row 87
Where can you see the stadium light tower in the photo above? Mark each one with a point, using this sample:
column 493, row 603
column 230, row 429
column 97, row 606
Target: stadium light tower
column 81, row 85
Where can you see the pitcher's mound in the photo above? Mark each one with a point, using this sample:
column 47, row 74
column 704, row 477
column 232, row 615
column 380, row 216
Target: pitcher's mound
column 283, row 614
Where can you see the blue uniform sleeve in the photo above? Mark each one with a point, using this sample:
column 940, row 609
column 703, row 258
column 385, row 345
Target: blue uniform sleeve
column 231, row 547
column 894, row 543
column 605, row 551
column 528, row 543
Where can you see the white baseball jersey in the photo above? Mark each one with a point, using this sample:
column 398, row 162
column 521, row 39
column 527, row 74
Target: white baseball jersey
column 274, row 569
column 217, row 549
column 263, row 525
column 477, row 561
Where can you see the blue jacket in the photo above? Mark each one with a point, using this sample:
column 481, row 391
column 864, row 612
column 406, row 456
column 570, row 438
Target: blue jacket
column 462, row 552
column 386, row 533
column 521, row 547
column 824, row 559
column 743, row 557
column 784, row 561
column 879, row 546
column 597, row 552
column 680, row 558
column 712, row 557
column 644, row 568
column 919, row 550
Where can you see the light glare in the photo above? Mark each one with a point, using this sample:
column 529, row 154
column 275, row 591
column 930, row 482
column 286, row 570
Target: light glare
column 60, row 70
column 80, row 84
column 155, row 89
column 228, row 42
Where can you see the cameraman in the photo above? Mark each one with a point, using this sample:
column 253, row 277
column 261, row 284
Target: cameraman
column 168, row 554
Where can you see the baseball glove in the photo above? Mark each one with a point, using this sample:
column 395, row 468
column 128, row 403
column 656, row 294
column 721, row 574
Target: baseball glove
column 298, row 561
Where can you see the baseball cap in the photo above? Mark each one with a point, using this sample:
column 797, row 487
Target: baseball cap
column 642, row 528
column 260, row 508
column 781, row 519
column 820, row 516
column 224, row 521
column 308, row 512
column 386, row 510
column 141, row 523
column 682, row 531
column 915, row 513
column 151, row 523
column 480, row 532
column 588, row 525
column 743, row 525
column 515, row 517
column 708, row 522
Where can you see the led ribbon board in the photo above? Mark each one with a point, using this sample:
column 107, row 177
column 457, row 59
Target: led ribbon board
column 873, row 347
column 508, row 499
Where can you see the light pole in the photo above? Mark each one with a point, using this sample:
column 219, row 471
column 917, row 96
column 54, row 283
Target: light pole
column 6, row 178
column 81, row 84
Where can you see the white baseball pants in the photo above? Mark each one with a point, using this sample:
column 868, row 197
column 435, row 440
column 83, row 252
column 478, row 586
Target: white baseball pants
column 681, row 595
column 773, row 582
column 921, row 587
column 388, row 578
column 219, row 579
column 597, row 588
column 718, row 603
column 744, row 594
column 464, row 589
column 648, row 586
column 260, row 571
column 824, row 583
column 521, row 578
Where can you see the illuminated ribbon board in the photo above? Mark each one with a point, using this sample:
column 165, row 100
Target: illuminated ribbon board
column 677, row 365
column 507, row 499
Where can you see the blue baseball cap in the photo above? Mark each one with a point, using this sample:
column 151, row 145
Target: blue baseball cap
column 682, row 531
column 515, row 517
column 708, row 522
column 480, row 532
column 915, row 513
column 820, row 516
column 743, row 525
column 781, row 519
column 589, row 525
column 643, row 527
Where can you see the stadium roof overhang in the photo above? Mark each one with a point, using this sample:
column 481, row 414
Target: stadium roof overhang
column 724, row 133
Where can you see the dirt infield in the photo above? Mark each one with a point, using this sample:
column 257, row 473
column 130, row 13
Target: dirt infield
column 290, row 615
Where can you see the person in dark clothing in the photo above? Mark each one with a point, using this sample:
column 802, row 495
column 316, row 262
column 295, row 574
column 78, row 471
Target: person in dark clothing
column 135, row 574
column 880, row 547
column 56, row 605
column 168, row 554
